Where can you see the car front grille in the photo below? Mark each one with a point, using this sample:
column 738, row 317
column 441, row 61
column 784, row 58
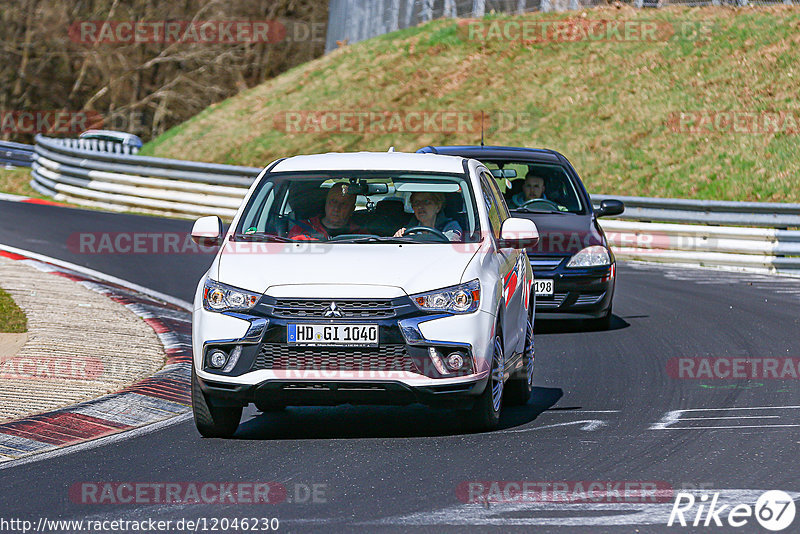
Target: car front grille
column 544, row 263
column 348, row 309
column 389, row 357
column 589, row 298
column 550, row 302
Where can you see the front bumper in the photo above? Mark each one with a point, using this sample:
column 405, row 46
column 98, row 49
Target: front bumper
column 285, row 392
column 577, row 293
column 399, row 371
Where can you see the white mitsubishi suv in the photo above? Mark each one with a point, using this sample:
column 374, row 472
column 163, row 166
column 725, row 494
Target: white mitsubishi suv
column 365, row 278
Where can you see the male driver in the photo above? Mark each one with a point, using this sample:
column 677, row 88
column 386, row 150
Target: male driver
column 339, row 206
column 532, row 188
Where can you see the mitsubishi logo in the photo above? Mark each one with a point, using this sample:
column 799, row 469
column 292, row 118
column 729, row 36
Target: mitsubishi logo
column 333, row 311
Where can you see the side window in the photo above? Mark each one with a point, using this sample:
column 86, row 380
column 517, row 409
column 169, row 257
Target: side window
column 255, row 216
column 501, row 204
column 491, row 206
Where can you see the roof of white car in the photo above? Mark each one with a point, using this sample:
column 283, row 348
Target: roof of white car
column 372, row 161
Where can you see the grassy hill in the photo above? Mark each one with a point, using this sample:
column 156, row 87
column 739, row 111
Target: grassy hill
column 611, row 106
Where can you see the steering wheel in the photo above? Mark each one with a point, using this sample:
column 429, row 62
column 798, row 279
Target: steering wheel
column 541, row 201
column 428, row 229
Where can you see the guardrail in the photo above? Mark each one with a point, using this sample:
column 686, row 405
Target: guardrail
column 720, row 212
column 81, row 172
column 95, row 173
column 707, row 239
column 16, row 154
column 757, row 249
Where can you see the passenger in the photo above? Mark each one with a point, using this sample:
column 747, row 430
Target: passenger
column 339, row 206
column 428, row 212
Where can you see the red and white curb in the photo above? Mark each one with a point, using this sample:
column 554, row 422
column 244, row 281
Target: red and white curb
column 29, row 200
column 164, row 395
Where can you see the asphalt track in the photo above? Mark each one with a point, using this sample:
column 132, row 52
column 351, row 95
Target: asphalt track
column 595, row 415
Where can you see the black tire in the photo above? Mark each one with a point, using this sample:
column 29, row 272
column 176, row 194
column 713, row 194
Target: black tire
column 485, row 413
column 212, row 421
column 519, row 388
column 601, row 323
column 267, row 407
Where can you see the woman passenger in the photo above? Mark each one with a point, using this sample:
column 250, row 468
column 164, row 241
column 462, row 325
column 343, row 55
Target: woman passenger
column 428, row 212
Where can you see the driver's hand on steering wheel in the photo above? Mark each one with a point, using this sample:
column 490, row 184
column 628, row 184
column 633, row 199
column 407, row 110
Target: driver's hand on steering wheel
column 400, row 232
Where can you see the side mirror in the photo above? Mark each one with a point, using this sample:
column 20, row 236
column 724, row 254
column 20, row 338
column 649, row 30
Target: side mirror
column 207, row 231
column 609, row 207
column 517, row 232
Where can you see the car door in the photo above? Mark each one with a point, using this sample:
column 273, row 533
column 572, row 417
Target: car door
column 510, row 269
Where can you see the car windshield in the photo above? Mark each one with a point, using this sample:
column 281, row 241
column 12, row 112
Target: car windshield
column 534, row 187
column 361, row 207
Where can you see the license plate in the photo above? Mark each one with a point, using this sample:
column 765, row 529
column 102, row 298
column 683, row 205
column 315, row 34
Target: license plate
column 543, row 288
column 353, row 335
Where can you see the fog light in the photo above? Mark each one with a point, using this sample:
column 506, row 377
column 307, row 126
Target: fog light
column 217, row 359
column 455, row 361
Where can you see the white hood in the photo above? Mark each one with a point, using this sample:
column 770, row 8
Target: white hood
column 342, row 270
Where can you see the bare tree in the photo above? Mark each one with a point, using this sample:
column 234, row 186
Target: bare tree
column 145, row 87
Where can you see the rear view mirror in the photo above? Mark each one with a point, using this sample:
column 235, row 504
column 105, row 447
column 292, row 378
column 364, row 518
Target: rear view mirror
column 361, row 187
column 609, row 207
column 377, row 189
column 517, row 232
column 504, row 173
column 207, row 231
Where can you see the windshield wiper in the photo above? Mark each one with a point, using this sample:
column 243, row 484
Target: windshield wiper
column 528, row 210
column 262, row 237
column 377, row 239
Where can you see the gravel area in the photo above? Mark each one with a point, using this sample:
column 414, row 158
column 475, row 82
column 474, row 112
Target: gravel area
column 80, row 344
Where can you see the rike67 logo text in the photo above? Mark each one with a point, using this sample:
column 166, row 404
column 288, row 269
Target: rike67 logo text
column 774, row 510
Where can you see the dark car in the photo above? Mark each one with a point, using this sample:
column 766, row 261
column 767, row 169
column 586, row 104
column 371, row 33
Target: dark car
column 575, row 269
column 111, row 136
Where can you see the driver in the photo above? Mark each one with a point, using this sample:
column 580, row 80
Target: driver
column 532, row 189
column 427, row 208
column 339, row 206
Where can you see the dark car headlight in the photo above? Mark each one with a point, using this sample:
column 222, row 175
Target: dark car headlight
column 594, row 256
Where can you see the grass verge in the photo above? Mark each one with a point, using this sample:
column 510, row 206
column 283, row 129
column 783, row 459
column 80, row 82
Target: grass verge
column 609, row 105
column 12, row 318
column 16, row 181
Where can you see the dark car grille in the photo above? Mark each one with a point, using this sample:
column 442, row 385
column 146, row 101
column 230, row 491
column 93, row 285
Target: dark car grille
column 544, row 263
column 390, row 357
column 551, row 302
column 589, row 298
column 316, row 308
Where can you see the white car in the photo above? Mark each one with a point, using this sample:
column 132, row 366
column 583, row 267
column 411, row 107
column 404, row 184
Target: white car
column 329, row 289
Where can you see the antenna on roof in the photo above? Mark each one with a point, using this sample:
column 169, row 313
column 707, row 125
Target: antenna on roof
column 391, row 149
column 481, row 128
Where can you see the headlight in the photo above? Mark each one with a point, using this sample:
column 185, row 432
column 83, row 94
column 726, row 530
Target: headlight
column 463, row 298
column 594, row 256
column 220, row 297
